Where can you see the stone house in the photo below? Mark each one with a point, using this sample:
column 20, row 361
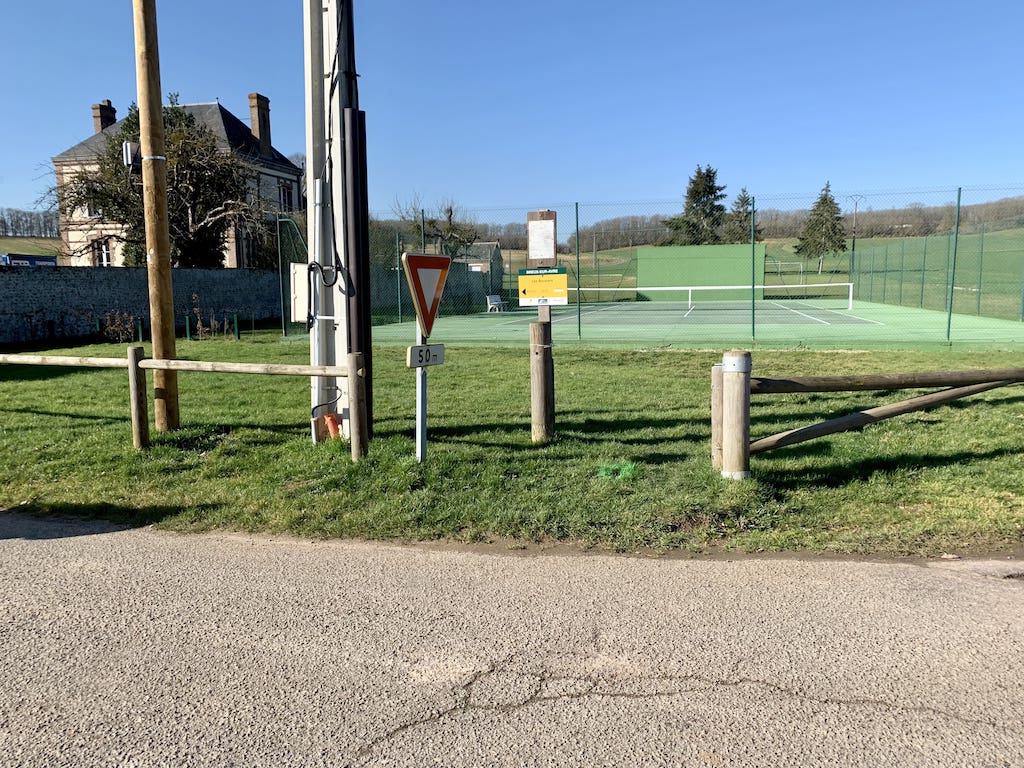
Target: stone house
column 88, row 240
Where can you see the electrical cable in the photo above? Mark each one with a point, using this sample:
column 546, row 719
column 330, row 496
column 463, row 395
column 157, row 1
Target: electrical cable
column 312, row 411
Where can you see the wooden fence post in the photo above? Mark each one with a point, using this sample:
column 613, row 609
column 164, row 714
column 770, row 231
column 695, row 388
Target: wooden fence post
column 542, row 383
column 716, row 416
column 358, row 426
column 736, row 368
column 137, row 398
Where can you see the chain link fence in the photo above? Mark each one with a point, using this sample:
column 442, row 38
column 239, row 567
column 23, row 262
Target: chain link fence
column 919, row 266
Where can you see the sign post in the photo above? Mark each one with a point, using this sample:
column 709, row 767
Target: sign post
column 542, row 284
column 426, row 275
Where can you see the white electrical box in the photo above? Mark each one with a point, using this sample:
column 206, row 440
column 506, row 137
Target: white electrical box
column 300, row 292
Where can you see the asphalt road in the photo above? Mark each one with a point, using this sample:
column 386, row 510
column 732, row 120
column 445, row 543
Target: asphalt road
column 143, row 648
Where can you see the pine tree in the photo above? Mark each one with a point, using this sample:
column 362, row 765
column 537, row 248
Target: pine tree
column 703, row 212
column 823, row 231
column 737, row 221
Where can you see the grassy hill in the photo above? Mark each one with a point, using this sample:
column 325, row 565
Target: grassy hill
column 31, row 246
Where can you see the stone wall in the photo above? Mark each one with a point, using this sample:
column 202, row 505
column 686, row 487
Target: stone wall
column 47, row 303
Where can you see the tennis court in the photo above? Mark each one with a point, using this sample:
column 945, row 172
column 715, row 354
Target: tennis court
column 824, row 321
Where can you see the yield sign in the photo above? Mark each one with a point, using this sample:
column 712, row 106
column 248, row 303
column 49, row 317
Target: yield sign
column 425, row 275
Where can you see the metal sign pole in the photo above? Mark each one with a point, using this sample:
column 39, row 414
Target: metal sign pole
column 421, row 404
column 426, row 276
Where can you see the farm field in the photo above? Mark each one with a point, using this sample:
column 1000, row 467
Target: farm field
column 629, row 468
column 31, row 246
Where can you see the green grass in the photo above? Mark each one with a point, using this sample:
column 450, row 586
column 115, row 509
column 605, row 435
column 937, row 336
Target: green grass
column 31, row 246
column 629, row 467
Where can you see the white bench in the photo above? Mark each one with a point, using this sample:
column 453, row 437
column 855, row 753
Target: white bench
column 495, row 304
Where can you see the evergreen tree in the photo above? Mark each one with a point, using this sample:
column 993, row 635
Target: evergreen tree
column 737, row 221
column 703, row 212
column 823, row 231
column 208, row 191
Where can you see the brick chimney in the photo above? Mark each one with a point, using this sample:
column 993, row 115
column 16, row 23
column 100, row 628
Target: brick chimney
column 259, row 117
column 103, row 115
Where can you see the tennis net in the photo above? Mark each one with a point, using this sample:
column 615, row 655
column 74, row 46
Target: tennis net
column 833, row 296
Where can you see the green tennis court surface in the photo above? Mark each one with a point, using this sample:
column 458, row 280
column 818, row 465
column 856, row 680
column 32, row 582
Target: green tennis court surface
column 682, row 325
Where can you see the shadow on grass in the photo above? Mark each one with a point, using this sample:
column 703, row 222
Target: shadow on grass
column 837, row 475
column 27, row 373
column 39, row 521
column 199, row 438
column 509, row 435
column 68, row 415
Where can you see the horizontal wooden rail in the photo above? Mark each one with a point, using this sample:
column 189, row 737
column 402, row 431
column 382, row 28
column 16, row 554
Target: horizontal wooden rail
column 272, row 369
column 882, row 381
column 136, row 364
column 67, row 362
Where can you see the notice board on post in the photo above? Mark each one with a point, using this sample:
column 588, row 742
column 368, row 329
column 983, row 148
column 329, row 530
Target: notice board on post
column 540, row 239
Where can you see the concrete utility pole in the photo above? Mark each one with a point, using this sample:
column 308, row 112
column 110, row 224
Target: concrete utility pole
column 330, row 328
column 336, row 207
column 154, row 195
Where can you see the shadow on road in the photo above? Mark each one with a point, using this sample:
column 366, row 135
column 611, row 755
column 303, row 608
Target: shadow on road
column 57, row 521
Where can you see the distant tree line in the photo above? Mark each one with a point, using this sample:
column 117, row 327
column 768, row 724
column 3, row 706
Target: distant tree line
column 914, row 220
column 15, row 222
column 821, row 229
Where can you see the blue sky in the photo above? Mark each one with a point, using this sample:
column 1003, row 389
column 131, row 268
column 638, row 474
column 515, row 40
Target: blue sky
column 541, row 103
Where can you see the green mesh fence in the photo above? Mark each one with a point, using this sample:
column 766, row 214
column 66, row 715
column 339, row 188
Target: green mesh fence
column 925, row 267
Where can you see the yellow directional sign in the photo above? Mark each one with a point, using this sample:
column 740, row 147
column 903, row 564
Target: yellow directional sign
column 540, row 286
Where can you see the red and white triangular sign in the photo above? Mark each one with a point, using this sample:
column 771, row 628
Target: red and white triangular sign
column 426, row 275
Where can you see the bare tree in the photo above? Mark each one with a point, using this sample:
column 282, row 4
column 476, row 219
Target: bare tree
column 449, row 227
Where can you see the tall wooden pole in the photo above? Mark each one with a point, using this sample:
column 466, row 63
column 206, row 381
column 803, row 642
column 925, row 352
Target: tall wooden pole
column 154, row 195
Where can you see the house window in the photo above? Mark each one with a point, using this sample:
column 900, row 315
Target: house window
column 285, row 195
column 101, row 253
column 91, row 209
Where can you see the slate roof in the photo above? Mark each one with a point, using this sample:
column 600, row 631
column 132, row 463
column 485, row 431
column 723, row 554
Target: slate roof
column 230, row 132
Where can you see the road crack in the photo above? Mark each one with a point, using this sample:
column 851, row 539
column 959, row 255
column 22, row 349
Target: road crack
column 504, row 688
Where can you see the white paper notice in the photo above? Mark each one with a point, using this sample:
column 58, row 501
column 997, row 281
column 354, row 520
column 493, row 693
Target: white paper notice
column 541, row 240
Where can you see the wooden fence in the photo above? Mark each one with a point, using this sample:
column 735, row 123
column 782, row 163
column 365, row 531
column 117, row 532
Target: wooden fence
column 137, row 365
column 732, row 386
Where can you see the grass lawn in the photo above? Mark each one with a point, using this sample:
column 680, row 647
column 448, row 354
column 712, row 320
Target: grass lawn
column 629, row 468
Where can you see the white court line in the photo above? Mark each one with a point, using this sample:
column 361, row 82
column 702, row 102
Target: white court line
column 802, row 314
column 583, row 313
column 847, row 313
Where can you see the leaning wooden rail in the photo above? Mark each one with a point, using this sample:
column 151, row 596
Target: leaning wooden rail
column 860, row 419
column 137, row 365
column 732, row 385
column 879, row 381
